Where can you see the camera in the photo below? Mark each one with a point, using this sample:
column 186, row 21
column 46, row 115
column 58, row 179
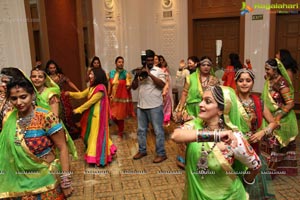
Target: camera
column 141, row 72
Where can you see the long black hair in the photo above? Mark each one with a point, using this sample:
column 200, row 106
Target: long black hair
column 12, row 72
column 58, row 69
column 196, row 60
column 273, row 63
column 288, row 61
column 235, row 61
column 92, row 63
column 100, row 77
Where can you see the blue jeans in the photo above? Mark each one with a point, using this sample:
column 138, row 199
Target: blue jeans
column 156, row 117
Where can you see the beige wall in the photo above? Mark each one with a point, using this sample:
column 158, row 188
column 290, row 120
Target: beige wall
column 127, row 28
column 14, row 41
column 257, row 42
column 130, row 26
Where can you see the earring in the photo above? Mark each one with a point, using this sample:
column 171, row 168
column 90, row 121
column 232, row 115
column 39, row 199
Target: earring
column 33, row 100
column 221, row 122
column 275, row 74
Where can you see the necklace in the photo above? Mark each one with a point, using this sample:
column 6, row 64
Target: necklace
column 55, row 78
column 250, row 109
column 248, row 105
column 246, row 102
column 202, row 165
column 270, row 86
column 41, row 90
column 22, row 125
column 2, row 101
column 204, row 83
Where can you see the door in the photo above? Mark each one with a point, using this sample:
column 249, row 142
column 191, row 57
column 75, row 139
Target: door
column 207, row 31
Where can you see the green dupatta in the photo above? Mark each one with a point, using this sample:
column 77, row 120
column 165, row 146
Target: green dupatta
column 43, row 101
column 288, row 124
column 195, row 92
column 21, row 172
column 223, row 184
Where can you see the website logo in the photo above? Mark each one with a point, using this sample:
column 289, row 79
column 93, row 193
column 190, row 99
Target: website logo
column 245, row 8
column 277, row 6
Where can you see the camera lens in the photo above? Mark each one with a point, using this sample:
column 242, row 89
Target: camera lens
column 143, row 74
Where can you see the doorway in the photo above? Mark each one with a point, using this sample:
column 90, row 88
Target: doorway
column 207, row 31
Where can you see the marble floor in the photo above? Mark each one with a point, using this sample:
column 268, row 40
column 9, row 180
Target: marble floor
column 128, row 179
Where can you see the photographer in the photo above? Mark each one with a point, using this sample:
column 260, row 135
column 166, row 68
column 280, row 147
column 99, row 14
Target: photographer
column 150, row 106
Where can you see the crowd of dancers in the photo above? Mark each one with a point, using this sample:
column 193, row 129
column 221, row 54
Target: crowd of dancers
column 231, row 142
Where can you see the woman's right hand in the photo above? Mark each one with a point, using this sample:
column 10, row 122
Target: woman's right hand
column 181, row 64
column 256, row 137
column 178, row 116
column 67, row 192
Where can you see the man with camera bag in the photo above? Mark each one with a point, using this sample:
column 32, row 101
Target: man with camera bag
column 150, row 106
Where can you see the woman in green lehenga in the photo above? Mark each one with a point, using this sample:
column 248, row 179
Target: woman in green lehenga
column 30, row 168
column 219, row 143
column 191, row 96
column 194, row 86
column 48, row 94
column 253, row 111
column 278, row 95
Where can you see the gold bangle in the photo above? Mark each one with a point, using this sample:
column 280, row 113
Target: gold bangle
column 268, row 131
column 179, row 107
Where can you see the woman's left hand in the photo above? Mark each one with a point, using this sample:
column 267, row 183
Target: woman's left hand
column 68, row 192
column 228, row 138
column 67, row 93
column 256, row 137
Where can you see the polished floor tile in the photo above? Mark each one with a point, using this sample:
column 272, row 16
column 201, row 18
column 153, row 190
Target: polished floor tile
column 142, row 179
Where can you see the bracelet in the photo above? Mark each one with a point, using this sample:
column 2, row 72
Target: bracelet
column 215, row 133
column 248, row 183
column 65, row 181
column 278, row 124
column 283, row 113
column 185, row 90
column 280, row 112
column 268, row 131
column 204, row 136
column 179, row 108
column 197, row 135
column 217, row 137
